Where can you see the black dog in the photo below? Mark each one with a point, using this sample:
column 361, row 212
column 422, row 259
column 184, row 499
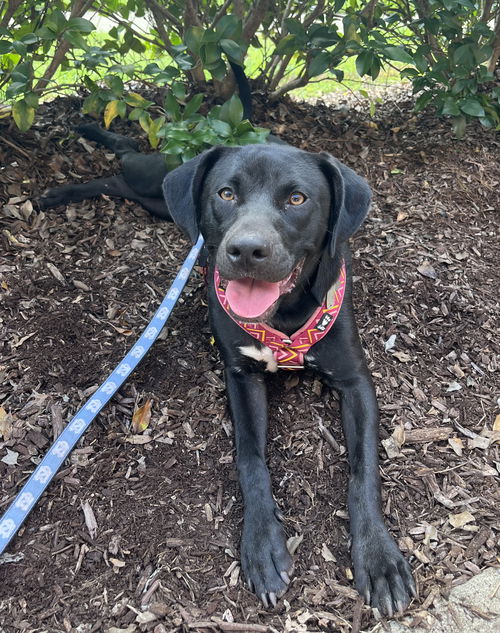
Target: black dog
column 276, row 221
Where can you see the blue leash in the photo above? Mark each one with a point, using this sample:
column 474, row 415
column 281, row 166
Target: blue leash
column 36, row 485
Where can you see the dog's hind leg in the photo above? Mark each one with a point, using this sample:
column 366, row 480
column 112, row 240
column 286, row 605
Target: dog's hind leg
column 117, row 143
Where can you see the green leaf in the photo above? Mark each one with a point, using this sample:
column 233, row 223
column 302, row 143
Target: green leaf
column 450, row 107
column 218, row 70
column 92, row 105
column 185, row 62
column 15, row 88
column 364, row 63
column 193, row 38
column 135, row 100
column 5, row 47
column 179, row 90
column 398, row 54
column 115, row 84
column 233, row 50
column 31, row 99
column 172, row 107
column 76, row 40
column 473, row 107
column 154, row 128
column 229, row 26
column 145, row 121
column 135, row 114
column 20, row 48
column 295, row 28
column 235, row 110
column 23, row 114
column 193, row 106
column 80, row 24
column 319, row 64
column 210, row 54
column 464, row 55
column 222, row 128
column 423, row 100
column 172, row 161
column 287, row 45
column 29, row 38
column 211, row 37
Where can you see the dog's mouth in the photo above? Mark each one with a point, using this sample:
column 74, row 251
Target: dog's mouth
column 252, row 299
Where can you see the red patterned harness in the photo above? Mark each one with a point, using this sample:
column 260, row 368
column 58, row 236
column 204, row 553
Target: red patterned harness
column 289, row 352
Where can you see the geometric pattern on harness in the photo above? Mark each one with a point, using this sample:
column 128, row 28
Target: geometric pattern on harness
column 289, row 351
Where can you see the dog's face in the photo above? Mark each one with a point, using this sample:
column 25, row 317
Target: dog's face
column 269, row 214
column 264, row 219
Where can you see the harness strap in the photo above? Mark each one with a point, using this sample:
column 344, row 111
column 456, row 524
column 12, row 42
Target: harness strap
column 289, row 351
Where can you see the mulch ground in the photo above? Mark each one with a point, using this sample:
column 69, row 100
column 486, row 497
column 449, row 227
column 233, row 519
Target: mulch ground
column 78, row 285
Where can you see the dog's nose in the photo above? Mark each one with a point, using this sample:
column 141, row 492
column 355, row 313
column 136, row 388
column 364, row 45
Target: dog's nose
column 248, row 250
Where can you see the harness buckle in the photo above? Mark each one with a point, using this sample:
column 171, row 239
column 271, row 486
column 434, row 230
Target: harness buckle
column 286, row 341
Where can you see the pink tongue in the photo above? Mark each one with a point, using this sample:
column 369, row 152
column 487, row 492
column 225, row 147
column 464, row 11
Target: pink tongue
column 249, row 298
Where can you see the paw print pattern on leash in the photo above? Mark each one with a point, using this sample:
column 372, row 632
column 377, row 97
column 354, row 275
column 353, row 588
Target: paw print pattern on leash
column 31, row 492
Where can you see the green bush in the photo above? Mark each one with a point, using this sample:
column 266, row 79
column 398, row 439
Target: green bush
column 447, row 49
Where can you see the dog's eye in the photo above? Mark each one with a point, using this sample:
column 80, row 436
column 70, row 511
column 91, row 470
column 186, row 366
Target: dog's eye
column 296, row 198
column 226, row 194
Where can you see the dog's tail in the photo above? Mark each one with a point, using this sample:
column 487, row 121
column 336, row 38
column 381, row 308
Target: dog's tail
column 244, row 91
column 117, row 143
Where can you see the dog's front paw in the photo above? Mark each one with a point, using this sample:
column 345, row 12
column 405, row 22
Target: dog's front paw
column 381, row 573
column 265, row 560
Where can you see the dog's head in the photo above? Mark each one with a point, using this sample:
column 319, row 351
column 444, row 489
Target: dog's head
column 272, row 217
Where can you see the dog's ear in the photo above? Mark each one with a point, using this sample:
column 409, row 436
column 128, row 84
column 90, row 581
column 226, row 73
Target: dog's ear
column 182, row 187
column 350, row 203
column 350, row 200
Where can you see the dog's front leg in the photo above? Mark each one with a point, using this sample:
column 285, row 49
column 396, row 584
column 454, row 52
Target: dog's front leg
column 382, row 574
column 265, row 560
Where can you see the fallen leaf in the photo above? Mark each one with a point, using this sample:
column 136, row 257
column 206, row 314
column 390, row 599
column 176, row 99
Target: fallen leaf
column 454, row 386
column 327, row 554
column 479, row 442
column 402, row 215
column 11, row 458
column 116, row 562
column 389, row 344
column 496, row 423
column 461, row 519
column 139, row 439
column 145, row 617
column 431, row 534
column 392, row 445
column 293, row 543
column 402, row 357
column 23, row 339
column 142, row 417
column 5, row 424
column 457, row 445
column 56, row 273
column 427, row 270
column 90, row 520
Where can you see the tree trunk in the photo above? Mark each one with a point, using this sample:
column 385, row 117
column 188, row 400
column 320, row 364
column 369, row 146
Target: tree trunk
column 78, row 10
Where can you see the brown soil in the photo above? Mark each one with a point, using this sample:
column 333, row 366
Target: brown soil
column 78, row 285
